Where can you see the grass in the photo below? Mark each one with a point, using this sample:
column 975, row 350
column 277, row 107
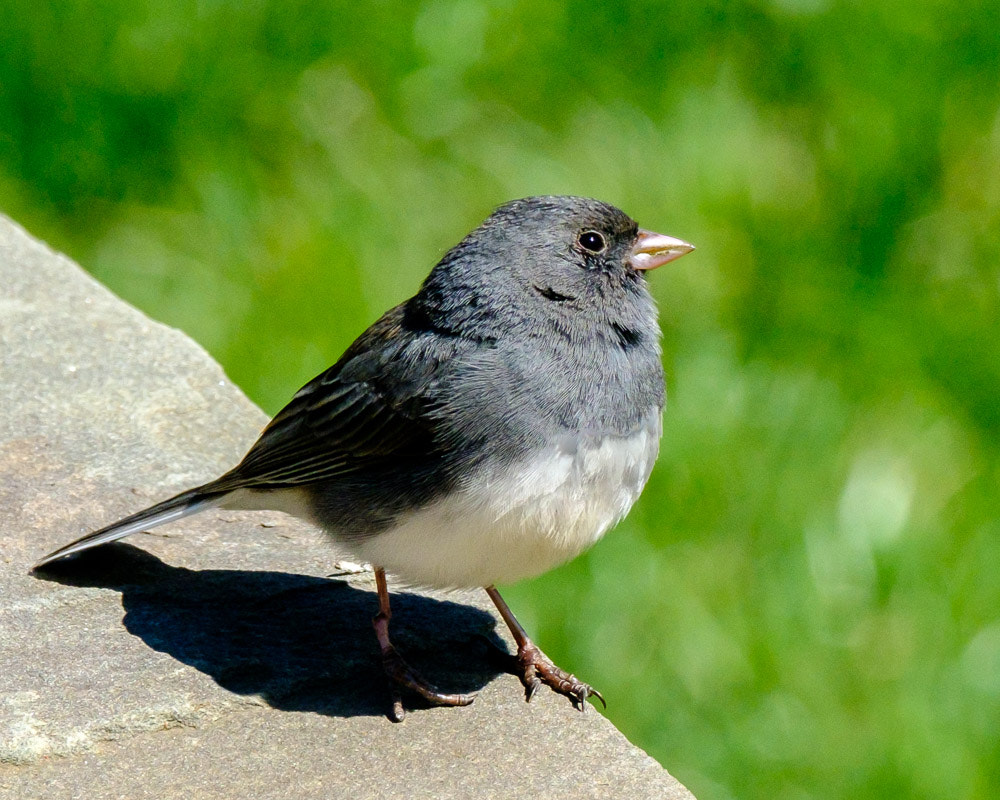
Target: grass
column 804, row 602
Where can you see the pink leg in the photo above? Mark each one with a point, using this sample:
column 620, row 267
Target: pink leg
column 536, row 667
column 399, row 673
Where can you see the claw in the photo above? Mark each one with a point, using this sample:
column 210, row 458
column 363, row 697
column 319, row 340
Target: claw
column 534, row 667
column 537, row 668
column 402, row 675
column 396, row 713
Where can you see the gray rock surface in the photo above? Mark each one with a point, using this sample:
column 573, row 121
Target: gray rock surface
column 217, row 657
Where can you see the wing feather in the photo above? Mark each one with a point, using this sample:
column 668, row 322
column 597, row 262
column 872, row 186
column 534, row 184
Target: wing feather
column 364, row 414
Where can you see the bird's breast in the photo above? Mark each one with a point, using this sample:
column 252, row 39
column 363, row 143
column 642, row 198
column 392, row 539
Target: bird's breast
column 507, row 521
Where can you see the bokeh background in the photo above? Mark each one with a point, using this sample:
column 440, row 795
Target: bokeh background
column 806, row 601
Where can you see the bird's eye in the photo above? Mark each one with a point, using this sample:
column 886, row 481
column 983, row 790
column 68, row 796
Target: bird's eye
column 592, row 241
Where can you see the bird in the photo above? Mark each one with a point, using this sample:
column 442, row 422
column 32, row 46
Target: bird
column 488, row 429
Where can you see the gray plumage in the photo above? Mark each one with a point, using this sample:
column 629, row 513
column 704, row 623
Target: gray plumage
column 519, row 340
column 491, row 427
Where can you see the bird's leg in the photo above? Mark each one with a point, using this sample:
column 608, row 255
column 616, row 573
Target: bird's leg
column 536, row 668
column 399, row 673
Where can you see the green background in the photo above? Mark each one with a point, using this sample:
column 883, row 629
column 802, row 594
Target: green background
column 806, row 600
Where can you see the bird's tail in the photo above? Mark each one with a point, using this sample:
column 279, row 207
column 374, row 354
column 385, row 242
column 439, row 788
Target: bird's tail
column 182, row 505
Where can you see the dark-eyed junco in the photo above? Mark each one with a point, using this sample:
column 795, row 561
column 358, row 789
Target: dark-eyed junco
column 491, row 427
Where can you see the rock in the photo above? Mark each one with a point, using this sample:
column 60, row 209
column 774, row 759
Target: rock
column 217, row 657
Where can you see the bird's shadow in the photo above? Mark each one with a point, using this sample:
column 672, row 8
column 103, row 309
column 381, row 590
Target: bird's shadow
column 301, row 643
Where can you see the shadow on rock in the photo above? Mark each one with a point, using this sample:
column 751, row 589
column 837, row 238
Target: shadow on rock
column 302, row 643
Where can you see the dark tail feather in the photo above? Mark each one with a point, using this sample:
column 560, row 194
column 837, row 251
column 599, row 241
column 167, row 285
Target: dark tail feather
column 183, row 505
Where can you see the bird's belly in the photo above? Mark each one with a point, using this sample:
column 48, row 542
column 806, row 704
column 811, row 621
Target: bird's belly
column 513, row 522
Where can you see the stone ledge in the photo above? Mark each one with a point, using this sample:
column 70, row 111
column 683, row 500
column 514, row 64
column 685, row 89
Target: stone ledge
column 218, row 657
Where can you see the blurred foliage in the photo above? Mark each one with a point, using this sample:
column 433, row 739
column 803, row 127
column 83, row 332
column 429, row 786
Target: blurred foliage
column 806, row 601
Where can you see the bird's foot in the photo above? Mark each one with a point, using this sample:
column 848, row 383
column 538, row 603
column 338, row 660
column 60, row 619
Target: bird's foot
column 402, row 676
column 536, row 668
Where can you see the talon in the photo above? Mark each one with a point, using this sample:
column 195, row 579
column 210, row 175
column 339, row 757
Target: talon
column 534, row 667
column 400, row 674
column 537, row 668
column 397, row 712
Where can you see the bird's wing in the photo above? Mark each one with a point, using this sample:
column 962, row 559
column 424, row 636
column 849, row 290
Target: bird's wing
column 365, row 412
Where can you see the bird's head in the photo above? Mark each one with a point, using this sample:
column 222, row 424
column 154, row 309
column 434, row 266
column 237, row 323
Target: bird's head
column 551, row 258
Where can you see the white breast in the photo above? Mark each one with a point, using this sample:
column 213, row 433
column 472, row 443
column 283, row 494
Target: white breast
column 516, row 522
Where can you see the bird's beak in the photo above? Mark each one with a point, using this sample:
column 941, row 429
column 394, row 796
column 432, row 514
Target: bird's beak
column 652, row 250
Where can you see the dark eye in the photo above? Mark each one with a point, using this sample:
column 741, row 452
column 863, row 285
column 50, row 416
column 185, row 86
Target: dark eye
column 592, row 241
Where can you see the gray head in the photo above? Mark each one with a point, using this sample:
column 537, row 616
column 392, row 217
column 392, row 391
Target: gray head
column 571, row 264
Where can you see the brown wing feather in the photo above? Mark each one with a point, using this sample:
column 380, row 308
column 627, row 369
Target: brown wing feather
column 362, row 411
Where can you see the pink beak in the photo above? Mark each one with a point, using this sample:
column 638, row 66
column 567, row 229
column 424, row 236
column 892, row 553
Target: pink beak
column 652, row 250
